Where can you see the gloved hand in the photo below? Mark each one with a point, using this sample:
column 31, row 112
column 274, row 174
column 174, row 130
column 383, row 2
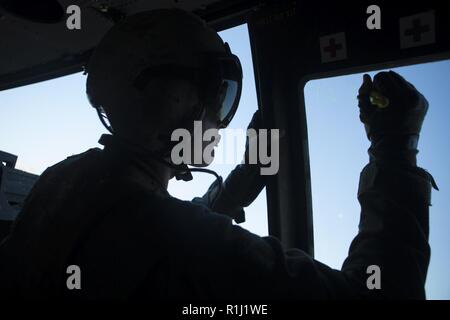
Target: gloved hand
column 241, row 187
column 245, row 182
column 394, row 125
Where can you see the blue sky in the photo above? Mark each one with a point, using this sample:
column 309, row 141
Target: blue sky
column 338, row 145
column 46, row 122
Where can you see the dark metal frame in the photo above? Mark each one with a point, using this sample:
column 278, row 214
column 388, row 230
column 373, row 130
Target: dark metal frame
column 286, row 55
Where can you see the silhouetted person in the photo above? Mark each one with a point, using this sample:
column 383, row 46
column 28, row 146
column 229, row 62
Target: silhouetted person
column 108, row 210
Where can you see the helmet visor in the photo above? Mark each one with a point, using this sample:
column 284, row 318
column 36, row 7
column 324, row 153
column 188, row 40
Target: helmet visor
column 230, row 88
column 220, row 81
column 227, row 101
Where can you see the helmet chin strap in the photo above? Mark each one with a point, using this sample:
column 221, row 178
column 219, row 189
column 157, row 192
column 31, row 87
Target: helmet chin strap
column 182, row 171
column 183, row 174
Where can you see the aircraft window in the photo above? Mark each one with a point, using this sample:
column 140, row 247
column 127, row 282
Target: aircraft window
column 228, row 153
column 338, row 152
column 46, row 122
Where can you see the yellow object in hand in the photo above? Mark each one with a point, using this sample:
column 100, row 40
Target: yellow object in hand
column 377, row 99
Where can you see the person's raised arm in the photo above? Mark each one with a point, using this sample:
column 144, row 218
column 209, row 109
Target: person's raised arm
column 242, row 185
column 394, row 193
column 389, row 257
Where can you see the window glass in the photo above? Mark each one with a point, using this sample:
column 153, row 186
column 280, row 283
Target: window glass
column 338, row 152
column 230, row 150
column 46, row 122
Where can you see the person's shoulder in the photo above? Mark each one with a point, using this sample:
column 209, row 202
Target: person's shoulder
column 70, row 161
column 170, row 204
column 174, row 211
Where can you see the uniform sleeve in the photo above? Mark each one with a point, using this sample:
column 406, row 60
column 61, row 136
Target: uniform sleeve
column 230, row 262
